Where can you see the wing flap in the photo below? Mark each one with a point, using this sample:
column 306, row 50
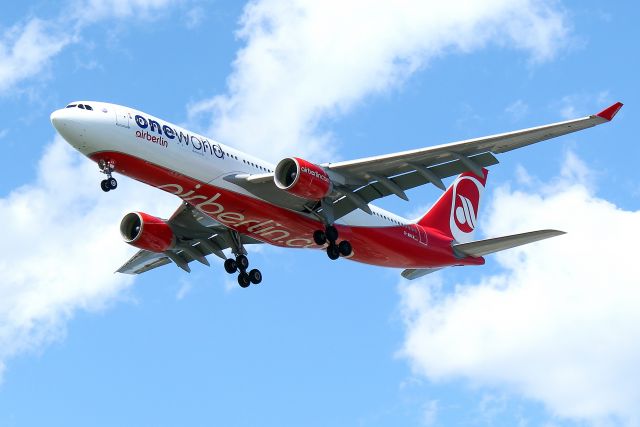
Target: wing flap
column 143, row 261
column 488, row 246
column 371, row 192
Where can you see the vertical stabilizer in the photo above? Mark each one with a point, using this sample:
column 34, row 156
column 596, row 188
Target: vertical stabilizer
column 455, row 214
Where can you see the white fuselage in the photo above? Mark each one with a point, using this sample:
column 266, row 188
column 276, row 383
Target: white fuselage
column 111, row 127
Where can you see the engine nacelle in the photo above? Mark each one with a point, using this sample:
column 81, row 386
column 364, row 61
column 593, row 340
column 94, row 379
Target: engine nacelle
column 147, row 232
column 302, row 178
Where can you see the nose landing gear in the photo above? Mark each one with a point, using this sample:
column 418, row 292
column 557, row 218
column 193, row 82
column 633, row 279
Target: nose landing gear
column 107, row 168
column 334, row 250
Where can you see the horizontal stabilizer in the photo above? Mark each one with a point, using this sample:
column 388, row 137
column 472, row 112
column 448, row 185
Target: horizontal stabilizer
column 488, row 246
column 414, row 273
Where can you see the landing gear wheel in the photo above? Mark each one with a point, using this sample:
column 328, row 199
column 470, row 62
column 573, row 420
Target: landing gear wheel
column 333, row 252
column 242, row 262
column 319, row 237
column 345, row 248
column 243, row 280
column 112, row 183
column 105, row 185
column 230, row 266
column 255, row 276
column 331, row 233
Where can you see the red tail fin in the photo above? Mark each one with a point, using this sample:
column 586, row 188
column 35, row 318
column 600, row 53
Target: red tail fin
column 455, row 214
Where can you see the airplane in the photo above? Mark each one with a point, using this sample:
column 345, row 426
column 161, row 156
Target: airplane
column 231, row 199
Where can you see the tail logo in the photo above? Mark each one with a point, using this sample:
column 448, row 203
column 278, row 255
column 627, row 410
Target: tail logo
column 464, row 210
column 465, row 215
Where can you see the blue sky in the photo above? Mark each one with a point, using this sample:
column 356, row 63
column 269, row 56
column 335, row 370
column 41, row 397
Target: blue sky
column 544, row 335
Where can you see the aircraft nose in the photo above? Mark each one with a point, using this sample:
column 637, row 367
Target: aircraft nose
column 60, row 119
column 70, row 126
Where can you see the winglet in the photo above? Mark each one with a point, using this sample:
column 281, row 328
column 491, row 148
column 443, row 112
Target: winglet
column 609, row 113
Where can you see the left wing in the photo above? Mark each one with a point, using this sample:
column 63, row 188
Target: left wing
column 198, row 236
column 358, row 182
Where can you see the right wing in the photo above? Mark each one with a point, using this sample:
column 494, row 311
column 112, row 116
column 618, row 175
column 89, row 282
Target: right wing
column 197, row 235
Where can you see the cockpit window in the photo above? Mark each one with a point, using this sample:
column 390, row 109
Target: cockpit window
column 83, row 106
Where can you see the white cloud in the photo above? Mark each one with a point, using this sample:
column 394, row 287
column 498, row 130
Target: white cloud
column 518, row 109
column 64, row 246
column 185, row 288
column 90, row 11
column 308, row 61
column 582, row 104
column 194, row 17
column 27, row 48
column 559, row 324
column 430, row 412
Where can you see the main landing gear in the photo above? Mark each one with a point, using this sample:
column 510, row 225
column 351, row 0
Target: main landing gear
column 241, row 263
column 110, row 183
column 334, row 250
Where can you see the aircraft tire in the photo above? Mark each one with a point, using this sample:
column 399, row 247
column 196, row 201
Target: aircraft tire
column 242, row 262
column 331, row 233
column 319, row 237
column 105, row 186
column 255, row 276
column 345, row 248
column 112, row 183
column 243, row 280
column 332, row 252
column 230, row 266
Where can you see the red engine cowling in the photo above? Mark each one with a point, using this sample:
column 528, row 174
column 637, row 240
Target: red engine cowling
column 147, row 232
column 302, row 178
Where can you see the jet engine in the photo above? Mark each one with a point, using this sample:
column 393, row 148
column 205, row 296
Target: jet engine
column 147, row 232
column 302, row 178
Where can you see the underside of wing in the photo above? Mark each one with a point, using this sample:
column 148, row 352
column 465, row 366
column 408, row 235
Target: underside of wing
column 143, row 261
column 358, row 182
column 197, row 236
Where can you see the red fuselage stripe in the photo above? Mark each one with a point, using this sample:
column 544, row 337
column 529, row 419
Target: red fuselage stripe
column 395, row 246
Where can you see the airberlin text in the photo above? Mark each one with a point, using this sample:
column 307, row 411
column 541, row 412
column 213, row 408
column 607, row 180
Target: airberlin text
column 198, row 144
column 264, row 230
column 152, row 138
column 316, row 174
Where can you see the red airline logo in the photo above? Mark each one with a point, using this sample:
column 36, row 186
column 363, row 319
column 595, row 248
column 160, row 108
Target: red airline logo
column 464, row 210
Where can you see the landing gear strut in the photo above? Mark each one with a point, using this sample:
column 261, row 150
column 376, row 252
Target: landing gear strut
column 107, row 168
column 334, row 250
column 241, row 263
